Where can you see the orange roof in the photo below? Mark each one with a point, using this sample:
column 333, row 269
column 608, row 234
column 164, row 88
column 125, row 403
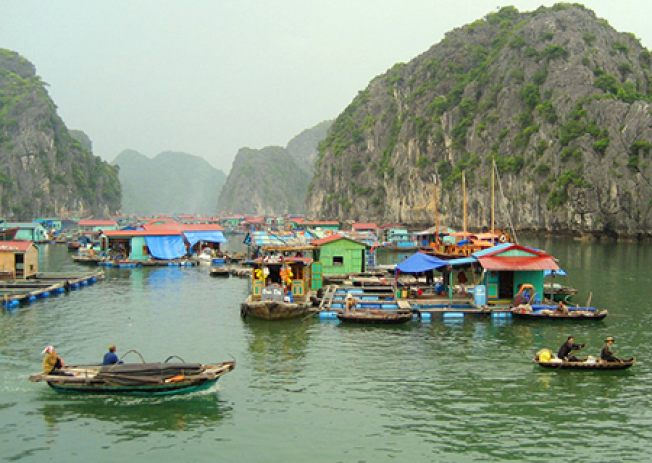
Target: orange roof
column 129, row 233
column 365, row 226
column 15, row 246
column 97, row 223
column 183, row 227
column 321, row 222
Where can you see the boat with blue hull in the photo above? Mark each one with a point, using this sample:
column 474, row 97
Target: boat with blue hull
column 141, row 379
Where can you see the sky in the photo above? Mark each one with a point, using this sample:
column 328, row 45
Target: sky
column 208, row 77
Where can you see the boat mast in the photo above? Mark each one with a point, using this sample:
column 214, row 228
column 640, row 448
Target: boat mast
column 464, row 199
column 493, row 221
column 434, row 205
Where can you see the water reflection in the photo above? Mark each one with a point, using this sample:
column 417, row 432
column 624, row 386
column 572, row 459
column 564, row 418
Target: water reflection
column 136, row 415
column 278, row 347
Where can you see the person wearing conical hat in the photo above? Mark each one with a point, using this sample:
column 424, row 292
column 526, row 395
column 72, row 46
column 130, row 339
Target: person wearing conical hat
column 607, row 353
column 52, row 362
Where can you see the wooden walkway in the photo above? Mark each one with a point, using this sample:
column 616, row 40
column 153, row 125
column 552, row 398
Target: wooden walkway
column 45, row 284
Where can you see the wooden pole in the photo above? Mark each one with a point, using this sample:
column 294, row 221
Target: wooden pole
column 435, row 201
column 464, row 199
column 493, row 221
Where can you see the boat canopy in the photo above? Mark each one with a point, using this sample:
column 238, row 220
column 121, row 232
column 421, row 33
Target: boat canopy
column 420, row 262
column 166, row 247
column 552, row 273
column 213, row 236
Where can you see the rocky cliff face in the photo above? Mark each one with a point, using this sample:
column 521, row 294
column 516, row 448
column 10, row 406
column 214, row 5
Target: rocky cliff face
column 169, row 183
column 273, row 180
column 557, row 97
column 43, row 169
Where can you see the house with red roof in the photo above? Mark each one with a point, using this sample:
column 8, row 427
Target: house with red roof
column 95, row 225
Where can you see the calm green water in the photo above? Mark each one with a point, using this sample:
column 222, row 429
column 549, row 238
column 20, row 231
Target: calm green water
column 321, row 392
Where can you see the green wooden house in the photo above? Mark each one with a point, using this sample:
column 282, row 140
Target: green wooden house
column 339, row 255
column 29, row 231
column 509, row 266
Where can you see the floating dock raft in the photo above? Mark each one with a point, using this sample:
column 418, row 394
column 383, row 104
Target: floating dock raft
column 44, row 284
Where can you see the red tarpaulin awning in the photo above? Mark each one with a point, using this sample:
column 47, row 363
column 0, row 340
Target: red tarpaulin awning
column 512, row 263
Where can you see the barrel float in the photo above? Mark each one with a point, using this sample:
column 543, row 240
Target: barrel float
column 425, row 316
column 45, row 294
column 453, row 315
column 328, row 315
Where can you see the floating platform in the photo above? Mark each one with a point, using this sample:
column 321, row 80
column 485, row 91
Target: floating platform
column 45, row 284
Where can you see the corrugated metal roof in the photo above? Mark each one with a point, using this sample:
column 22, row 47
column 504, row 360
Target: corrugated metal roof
column 15, row 246
column 515, row 263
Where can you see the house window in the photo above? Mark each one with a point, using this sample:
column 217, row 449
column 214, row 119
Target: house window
column 338, row 260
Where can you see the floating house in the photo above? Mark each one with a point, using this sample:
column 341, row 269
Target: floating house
column 339, row 255
column 93, row 225
column 142, row 245
column 29, row 231
column 50, row 223
column 509, row 266
column 332, row 225
column 18, row 259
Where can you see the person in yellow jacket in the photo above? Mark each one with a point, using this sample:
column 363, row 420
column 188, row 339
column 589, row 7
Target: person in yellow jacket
column 52, row 362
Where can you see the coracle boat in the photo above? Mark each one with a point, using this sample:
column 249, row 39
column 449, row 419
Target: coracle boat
column 545, row 359
column 374, row 317
column 549, row 314
column 148, row 379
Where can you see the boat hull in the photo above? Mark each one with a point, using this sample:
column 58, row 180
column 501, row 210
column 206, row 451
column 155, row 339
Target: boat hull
column 374, row 318
column 136, row 379
column 596, row 316
column 587, row 366
column 274, row 310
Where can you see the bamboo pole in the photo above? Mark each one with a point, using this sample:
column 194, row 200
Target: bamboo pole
column 464, row 199
column 493, row 219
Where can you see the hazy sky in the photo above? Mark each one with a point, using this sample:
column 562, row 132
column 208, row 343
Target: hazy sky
column 210, row 76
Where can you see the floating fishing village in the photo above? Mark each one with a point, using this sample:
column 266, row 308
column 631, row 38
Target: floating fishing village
column 327, row 232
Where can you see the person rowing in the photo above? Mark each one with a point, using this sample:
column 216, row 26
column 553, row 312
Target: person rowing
column 607, row 353
column 568, row 347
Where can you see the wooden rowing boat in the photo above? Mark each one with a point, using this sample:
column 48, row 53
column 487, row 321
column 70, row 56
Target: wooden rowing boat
column 577, row 315
column 374, row 317
column 149, row 379
column 583, row 364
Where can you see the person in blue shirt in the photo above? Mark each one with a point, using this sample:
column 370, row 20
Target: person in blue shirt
column 111, row 357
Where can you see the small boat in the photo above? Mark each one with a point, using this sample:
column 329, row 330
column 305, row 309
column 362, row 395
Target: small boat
column 586, row 364
column 219, row 272
column 280, row 287
column 374, row 317
column 527, row 313
column 149, row 379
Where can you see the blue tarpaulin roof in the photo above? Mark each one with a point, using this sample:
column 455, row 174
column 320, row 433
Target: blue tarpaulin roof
column 420, row 262
column 212, row 236
column 560, row 273
column 166, row 247
column 462, row 261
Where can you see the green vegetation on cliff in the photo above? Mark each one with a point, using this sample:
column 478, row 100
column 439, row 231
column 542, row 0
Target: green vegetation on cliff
column 559, row 99
column 44, row 170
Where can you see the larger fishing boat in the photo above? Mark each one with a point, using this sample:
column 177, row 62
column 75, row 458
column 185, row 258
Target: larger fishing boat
column 281, row 284
column 149, row 379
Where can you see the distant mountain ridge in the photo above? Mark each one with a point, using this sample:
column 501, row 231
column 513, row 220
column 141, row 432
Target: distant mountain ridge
column 171, row 182
column 44, row 169
column 273, row 180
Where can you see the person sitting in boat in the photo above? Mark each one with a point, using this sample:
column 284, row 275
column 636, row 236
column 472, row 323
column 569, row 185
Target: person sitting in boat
column 562, row 308
column 607, row 353
column 111, row 357
column 567, row 347
column 52, row 362
column 349, row 303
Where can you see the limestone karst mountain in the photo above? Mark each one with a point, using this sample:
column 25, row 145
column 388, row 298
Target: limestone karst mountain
column 556, row 96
